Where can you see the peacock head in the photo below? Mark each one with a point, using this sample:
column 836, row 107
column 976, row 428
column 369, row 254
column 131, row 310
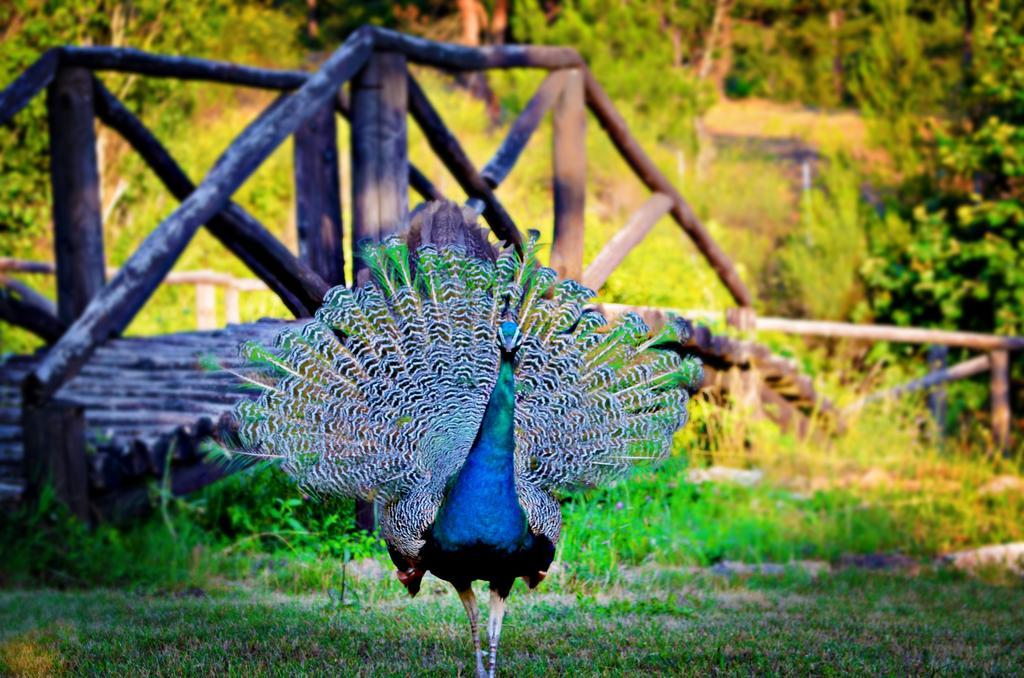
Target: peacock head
column 509, row 336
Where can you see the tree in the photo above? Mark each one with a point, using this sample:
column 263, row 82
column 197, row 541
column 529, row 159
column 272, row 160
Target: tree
column 956, row 258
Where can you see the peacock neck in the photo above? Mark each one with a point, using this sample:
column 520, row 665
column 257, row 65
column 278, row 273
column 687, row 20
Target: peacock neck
column 495, row 444
column 481, row 506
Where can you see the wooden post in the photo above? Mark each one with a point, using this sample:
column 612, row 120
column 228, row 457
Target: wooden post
column 1000, row 394
column 53, row 436
column 232, row 315
column 380, row 162
column 77, row 221
column 206, row 306
column 570, row 177
column 318, row 196
column 380, row 171
column 938, row 358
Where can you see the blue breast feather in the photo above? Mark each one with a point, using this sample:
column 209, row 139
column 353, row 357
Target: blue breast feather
column 481, row 507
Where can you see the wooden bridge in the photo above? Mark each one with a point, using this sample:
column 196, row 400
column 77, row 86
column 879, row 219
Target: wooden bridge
column 100, row 415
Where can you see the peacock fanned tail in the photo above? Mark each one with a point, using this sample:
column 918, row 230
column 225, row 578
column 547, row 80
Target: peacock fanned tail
column 381, row 395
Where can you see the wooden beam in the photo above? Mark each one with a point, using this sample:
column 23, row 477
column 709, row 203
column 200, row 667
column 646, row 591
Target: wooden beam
column 910, row 335
column 504, row 159
column 380, row 163
column 999, row 392
column 448, row 149
column 318, row 196
column 462, row 58
column 53, row 436
column 26, row 86
column 963, row 370
column 25, row 308
column 628, row 237
column 617, row 130
column 128, row 60
column 295, row 283
column 114, row 307
column 74, row 175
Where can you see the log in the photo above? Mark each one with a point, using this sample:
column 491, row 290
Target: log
column 963, row 370
column 54, row 444
column 448, row 149
column 417, row 180
column 21, row 306
column 318, row 196
column 26, row 86
column 22, row 266
column 461, row 58
column 999, row 391
column 569, row 150
column 113, row 308
column 380, row 170
column 910, row 335
column 296, row 284
column 623, row 242
column 614, row 125
column 128, row 60
column 380, row 165
column 504, row 159
column 74, row 175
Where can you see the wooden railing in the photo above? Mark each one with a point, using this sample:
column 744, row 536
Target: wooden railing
column 996, row 359
column 205, row 282
column 381, row 92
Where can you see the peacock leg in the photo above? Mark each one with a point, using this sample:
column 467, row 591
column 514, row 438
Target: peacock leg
column 494, row 628
column 469, row 602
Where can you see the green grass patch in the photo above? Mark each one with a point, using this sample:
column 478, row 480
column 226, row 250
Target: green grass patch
column 867, row 624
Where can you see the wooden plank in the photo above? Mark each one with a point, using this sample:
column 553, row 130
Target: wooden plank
column 910, row 335
column 999, row 392
column 448, row 149
column 380, row 165
column 128, row 60
column 54, row 443
column 26, row 86
column 74, row 175
column 462, row 58
column 627, row 238
column 569, row 149
column 318, row 196
column 523, row 127
column 617, row 130
column 114, row 307
column 296, row 284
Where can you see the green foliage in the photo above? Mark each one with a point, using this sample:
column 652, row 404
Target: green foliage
column 820, row 262
column 956, row 258
column 650, row 76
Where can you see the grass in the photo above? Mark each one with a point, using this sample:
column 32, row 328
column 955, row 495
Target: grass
column 693, row 624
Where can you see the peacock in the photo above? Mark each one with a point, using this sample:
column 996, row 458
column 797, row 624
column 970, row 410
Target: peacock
column 461, row 389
